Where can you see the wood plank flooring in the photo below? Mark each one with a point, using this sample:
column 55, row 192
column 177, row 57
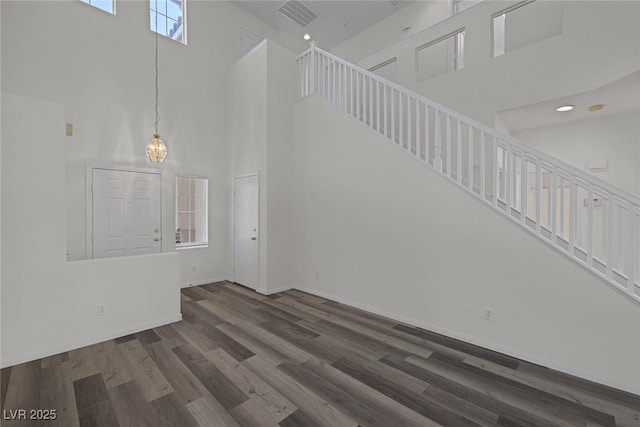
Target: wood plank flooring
column 292, row 359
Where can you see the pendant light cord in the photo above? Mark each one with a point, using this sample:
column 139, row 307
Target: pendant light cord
column 156, row 64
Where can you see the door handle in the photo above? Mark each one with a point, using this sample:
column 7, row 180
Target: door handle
column 157, row 239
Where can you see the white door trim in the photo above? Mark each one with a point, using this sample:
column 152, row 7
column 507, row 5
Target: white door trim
column 233, row 229
column 89, row 201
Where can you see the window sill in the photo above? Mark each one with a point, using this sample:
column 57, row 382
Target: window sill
column 196, row 246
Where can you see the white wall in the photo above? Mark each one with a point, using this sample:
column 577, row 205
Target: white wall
column 389, row 31
column 69, row 62
column 615, row 138
column 281, row 92
column 600, row 43
column 50, row 305
column 100, row 68
column 248, row 138
column 261, row 140
column 248, row 112
column 380, row 231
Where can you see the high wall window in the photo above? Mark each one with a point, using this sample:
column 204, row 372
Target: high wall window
column 440, row 56
column 191, row 211
column 170, row 16
column 106, row 5
column 524, row 24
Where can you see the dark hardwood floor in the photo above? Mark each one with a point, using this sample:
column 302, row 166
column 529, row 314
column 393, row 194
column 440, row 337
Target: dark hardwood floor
column 293, row 359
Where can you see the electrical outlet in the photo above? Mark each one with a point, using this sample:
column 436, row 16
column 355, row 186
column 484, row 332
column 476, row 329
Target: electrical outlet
column 488, row 313
column 193, row 267
column 101, row 310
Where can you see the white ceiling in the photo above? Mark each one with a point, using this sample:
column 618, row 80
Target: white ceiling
column 618, row 97
column 337, row 20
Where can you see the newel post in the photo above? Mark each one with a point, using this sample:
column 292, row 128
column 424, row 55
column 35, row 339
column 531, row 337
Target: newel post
column 312, row 67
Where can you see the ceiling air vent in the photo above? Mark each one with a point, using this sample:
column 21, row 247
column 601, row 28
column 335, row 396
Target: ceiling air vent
column 298, row 12
column 396, row 3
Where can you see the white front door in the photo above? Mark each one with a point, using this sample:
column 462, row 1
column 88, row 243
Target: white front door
column 245, row 231
column 126, row 210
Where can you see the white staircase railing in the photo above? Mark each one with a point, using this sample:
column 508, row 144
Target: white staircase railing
column 590, row 221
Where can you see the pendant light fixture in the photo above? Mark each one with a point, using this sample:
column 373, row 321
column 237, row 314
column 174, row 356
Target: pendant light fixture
column 156, row 148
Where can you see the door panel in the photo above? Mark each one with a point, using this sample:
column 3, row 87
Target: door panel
column 126, row 213
column 245, row 234
column 116, row 217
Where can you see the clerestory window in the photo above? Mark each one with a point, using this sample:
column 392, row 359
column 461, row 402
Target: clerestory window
column 106, row 5
column 167, row 18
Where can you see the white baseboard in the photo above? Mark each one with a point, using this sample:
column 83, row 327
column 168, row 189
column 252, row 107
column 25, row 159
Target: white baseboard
column 274, row 291
column 527, row 357
column 204, row 282
column 41, row 353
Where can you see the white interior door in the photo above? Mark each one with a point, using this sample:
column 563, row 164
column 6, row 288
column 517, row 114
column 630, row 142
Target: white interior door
column 245, row 231
column 127, row 213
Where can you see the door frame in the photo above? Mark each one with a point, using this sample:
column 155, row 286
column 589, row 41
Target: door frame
column 233, row 229
column 89, row 201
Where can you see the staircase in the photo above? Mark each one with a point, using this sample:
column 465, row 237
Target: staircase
column 582, row 217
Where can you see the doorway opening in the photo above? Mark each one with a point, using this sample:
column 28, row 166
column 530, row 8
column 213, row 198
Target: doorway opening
column 246, row 256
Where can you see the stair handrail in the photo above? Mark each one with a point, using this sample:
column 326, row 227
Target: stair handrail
column 561, row 170
column 598, row 182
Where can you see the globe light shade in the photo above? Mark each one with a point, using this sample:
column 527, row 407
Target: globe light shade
column 156, row 150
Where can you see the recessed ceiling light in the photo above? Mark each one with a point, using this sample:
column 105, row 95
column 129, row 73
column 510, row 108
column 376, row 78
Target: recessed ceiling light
column 596, row 107
column 565, row 108
column 306, row 37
